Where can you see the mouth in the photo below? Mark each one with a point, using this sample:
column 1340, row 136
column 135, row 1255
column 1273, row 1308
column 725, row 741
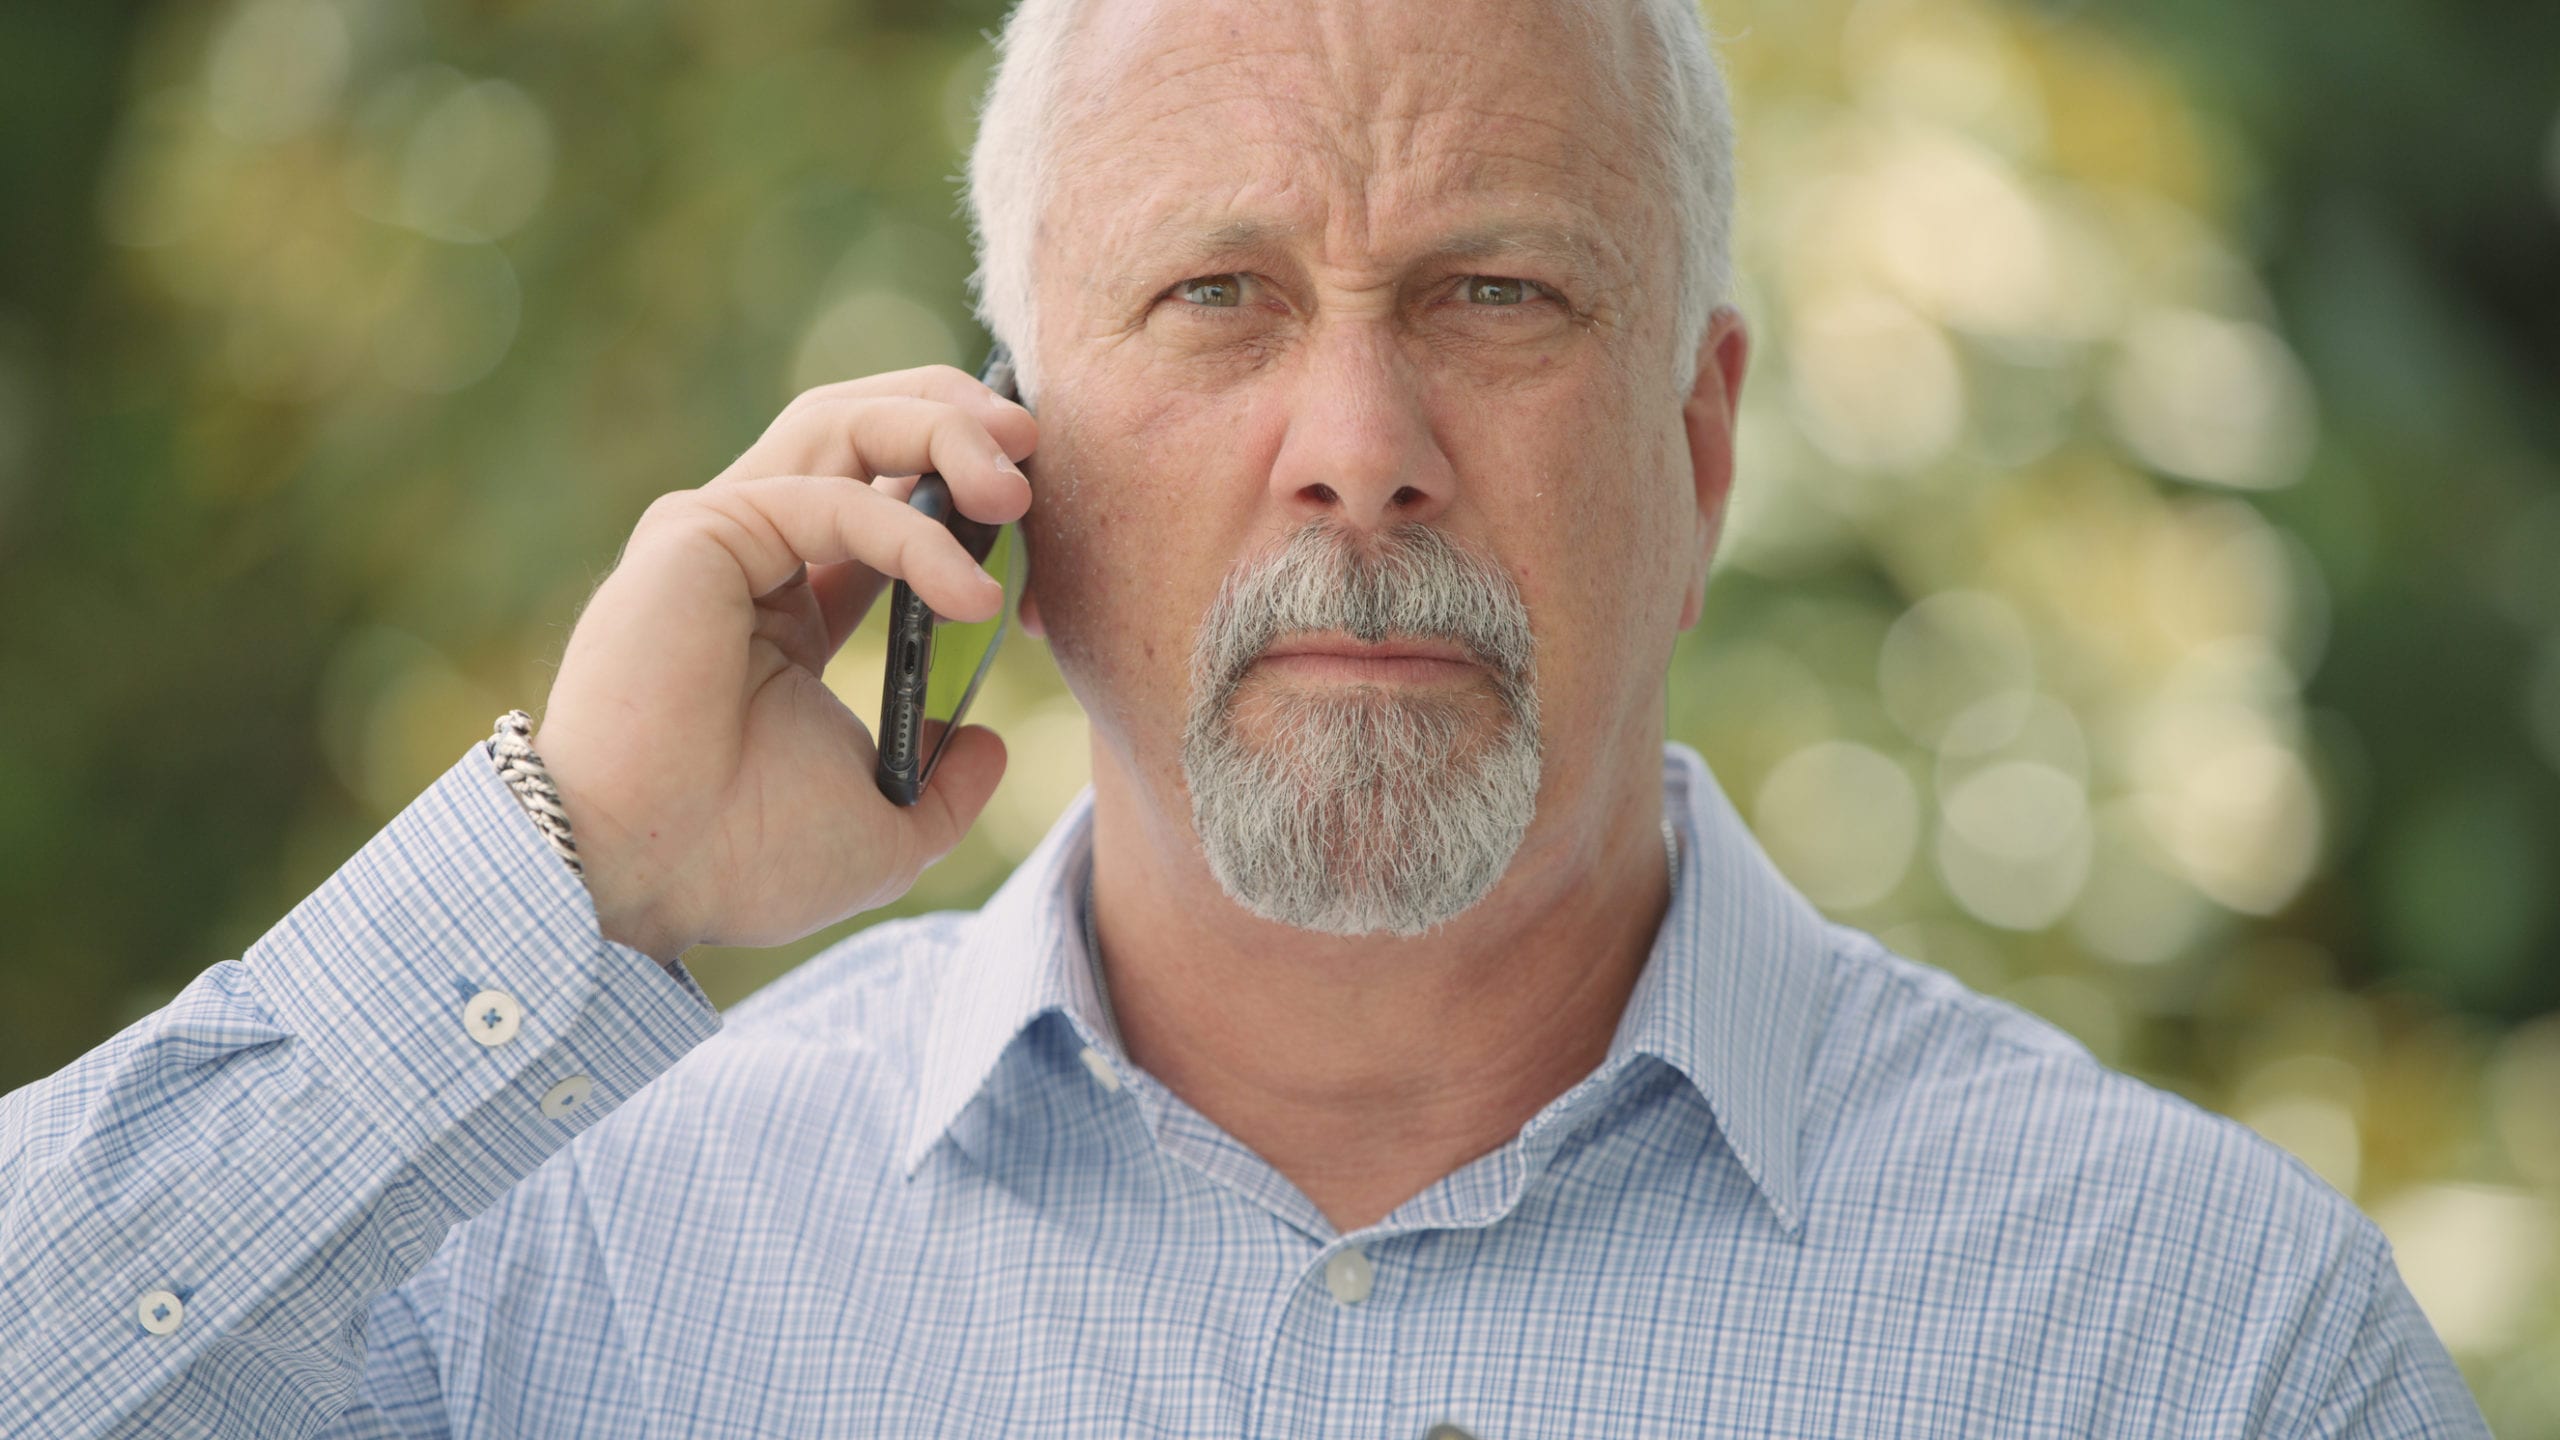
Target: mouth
column 1334, row 658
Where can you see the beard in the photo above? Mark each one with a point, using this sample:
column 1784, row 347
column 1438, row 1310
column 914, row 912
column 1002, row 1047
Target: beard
column 1362, row 808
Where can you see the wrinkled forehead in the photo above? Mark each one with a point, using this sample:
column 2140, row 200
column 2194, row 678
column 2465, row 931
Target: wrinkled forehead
column 1361, row 115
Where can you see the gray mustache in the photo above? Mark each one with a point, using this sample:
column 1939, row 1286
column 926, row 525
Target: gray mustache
column 1412, row 583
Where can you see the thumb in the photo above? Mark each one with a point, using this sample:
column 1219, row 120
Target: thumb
column 962, row 783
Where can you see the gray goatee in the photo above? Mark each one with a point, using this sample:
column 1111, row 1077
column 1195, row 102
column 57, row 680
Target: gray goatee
column 1360, row 809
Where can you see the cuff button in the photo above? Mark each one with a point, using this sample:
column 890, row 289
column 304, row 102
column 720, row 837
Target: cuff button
column 492, row 1017
column 568, row 1097
column 160, row 1312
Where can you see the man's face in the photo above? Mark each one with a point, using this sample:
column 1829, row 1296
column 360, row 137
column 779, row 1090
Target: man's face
column 1359, row 266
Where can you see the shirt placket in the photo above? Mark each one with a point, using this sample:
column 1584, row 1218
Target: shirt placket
column 1332, row 1337
column 1330, row 1364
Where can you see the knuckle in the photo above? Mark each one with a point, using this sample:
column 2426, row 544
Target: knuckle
column 809, row 403
column 666, row 509
column 854, row 414
column 922, row 382
column 831, row 395
column 905, row 551
column 955, row 424
column 723, row 514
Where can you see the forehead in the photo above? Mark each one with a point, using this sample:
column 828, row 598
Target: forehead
column 1362, row 120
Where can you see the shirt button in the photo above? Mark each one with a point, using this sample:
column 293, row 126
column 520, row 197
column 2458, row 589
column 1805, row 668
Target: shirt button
column 1446, row 1431
column 1348, row 1275
column 160, row 1312
column 566, row 1098
column 1100, row 1064
column 492, row 1017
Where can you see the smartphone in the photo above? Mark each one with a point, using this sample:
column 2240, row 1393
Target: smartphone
column 909, row 746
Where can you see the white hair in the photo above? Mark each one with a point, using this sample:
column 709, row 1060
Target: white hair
column 1686, row 121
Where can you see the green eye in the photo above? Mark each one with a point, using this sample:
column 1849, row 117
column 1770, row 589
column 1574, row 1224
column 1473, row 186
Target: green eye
column 1214, row 291
column 1495, row 290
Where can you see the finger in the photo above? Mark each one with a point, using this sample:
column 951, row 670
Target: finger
column 813, row 434
column 1007, row 419
column 962, row 783
column 894, row 436
column 792, row 621
column 768, row 527
column 845, row 594
column 792, row 581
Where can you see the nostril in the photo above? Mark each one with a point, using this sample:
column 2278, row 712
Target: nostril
column 1406, row 495
column 1322, row 494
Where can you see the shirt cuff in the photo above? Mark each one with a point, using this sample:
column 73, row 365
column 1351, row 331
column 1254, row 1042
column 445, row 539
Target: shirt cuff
column 451, row 981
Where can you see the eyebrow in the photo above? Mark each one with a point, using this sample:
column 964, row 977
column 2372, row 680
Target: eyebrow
column 1176, row 243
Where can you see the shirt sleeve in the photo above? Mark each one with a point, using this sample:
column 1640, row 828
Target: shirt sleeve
column 2395, row 1381
column 200, row 1219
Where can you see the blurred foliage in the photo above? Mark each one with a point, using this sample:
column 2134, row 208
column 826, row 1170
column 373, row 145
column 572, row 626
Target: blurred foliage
column 2142, row 598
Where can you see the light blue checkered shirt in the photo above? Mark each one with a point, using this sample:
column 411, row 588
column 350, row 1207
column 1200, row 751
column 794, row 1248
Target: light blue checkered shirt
column 912, row 1189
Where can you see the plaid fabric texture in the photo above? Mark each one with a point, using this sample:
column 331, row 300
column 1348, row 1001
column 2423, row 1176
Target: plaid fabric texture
column 912, row 1189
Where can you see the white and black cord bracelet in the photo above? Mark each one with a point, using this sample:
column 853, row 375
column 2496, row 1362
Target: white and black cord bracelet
column 511, row 745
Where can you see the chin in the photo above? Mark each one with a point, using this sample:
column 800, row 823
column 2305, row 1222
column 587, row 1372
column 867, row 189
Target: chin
column 1357, row 810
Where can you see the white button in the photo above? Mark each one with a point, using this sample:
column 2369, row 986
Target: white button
column 564, row 1099
column 1347, row 1275
column 492, row 1017
column 1100, row 1064
column 160, row 1312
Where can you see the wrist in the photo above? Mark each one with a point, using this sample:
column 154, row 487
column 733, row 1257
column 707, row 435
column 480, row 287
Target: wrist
column 656, row 942
column 622, row 914
column 626, row 916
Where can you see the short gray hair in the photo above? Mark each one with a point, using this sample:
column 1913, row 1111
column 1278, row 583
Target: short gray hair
column 1685, row 116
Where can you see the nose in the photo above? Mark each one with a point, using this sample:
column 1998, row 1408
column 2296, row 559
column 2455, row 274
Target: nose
column 1360, row 447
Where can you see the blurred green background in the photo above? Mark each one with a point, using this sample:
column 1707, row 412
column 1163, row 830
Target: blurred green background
column 2142, row 599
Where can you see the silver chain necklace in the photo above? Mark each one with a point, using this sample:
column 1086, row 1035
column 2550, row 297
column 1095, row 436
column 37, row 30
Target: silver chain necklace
column 1093, row 942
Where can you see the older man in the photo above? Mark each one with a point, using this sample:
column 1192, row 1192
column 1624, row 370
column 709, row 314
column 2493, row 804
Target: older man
column 1400, row 1041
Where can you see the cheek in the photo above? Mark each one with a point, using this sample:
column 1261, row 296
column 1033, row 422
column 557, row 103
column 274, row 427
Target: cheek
column 1123, row 567
column 1566, row 465
column 1604, row 574
column 1080, row 544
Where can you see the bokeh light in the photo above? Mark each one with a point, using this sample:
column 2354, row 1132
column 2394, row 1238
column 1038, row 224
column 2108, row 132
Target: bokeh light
column 1840, row 820
column 2138, row 598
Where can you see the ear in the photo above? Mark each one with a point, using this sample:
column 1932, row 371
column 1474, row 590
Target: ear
column 1707, row 415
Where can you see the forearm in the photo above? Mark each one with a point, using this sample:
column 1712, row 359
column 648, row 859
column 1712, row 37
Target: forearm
column 296, row 1133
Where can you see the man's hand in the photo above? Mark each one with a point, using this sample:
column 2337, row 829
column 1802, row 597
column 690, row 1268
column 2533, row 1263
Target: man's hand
column 719, row 792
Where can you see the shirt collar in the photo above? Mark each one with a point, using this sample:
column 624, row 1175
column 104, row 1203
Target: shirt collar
column 1729, row 994
column 1021, row 956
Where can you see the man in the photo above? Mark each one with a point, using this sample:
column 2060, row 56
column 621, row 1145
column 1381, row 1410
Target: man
column 1400, row 1040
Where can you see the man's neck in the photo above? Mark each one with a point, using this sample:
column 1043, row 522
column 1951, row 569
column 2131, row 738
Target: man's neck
column 1366, row 1068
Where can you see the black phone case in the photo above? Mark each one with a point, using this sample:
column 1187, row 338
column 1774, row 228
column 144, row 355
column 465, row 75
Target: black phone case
column 910, row 666
column 903, row 743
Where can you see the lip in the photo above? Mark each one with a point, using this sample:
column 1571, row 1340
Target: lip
column 1338, row 657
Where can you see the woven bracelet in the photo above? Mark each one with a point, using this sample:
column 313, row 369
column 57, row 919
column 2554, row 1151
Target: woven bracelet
column 511, row 745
